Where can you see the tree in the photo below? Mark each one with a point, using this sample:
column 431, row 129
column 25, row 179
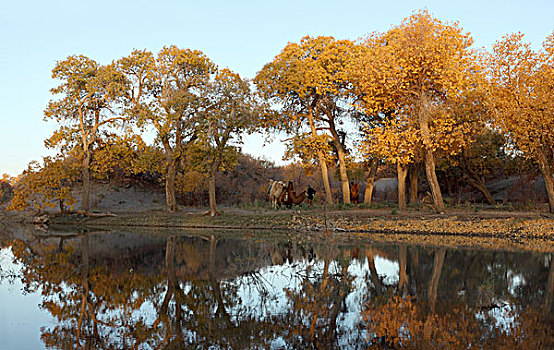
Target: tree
column 481, row 160
column 229, row 110
column 308, row 81
column 416, row 69
column 397, row 142
column 166, row 93
column 46, row 185
column 6, row 188
column 522, row 96
column 84, row 108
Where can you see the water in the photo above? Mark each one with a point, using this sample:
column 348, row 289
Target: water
column 242, row 290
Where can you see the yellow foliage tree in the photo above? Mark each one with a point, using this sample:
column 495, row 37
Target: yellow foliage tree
column 6, row 189
column 417, row 69
column 398, row 143
column 308, row 80
column 522, row 94
column 229, row 109
column 166, row 93
column 83, row 108
column 45, row 186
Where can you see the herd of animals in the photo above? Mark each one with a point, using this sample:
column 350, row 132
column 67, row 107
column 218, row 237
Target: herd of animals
column 279, row 193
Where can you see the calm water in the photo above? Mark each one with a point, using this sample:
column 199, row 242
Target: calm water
column 162, row 290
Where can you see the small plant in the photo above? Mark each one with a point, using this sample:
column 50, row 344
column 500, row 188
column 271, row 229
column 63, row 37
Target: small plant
column 394, row 211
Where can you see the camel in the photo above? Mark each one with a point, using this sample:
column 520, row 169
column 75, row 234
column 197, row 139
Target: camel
column 285, row 195
column 275, row 192
column 293, row 198
column 298, row 199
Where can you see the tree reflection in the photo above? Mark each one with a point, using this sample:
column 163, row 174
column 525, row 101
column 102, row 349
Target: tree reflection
column 205, row 291
column 317, row 302
column 416, row 321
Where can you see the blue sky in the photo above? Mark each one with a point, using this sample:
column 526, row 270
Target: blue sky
column 240, row 35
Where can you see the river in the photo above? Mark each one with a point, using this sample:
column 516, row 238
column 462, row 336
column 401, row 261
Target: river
column 200, row 289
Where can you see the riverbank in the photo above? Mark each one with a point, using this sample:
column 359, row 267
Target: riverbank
column 487, row 228
column 508, row 229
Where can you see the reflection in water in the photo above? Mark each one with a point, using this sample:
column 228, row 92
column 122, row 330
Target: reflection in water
column 175, row 291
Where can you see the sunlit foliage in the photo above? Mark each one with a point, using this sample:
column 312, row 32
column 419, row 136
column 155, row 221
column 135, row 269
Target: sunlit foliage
column 414, row 71
column 166, row 93
column 125, row 155
column 229, row 111
column 46, row 185
column 418, row 92
column 83, row 108
column 522, row 95
column 309, row 82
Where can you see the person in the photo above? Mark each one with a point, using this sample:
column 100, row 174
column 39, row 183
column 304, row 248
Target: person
column 311, row 193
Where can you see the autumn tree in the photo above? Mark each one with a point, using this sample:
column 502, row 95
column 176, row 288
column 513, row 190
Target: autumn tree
column 166, row 93
column 397, row 142
column 308, row 81
column 84, row 107
column 229, row 109
column 522, row 96
column 416, row 68
column 6, row 188
column 46, row 185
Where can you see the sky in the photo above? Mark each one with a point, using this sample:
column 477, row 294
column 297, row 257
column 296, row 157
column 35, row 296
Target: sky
column 240, row 35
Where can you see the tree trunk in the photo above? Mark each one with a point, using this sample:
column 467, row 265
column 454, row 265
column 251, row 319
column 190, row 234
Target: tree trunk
column 85, row 199
column 432, row 292
column 433, row 182
column 429, row 157
column 325, row 177
column 546, row 171
column 170, row 198
column 413, row 177
column 402, row 275
column 415, row 273
column 344, row 177
column 214, row 283
column 475, row 180
column 402, row 171
column 342, row 165
column 480, row 186
column 370, row 180
column 211, row 191
column 370, row 255
column 549, row 291
column 322, row 164
column 85, row 284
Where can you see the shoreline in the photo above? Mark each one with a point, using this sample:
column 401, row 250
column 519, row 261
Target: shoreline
column 527, row 231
